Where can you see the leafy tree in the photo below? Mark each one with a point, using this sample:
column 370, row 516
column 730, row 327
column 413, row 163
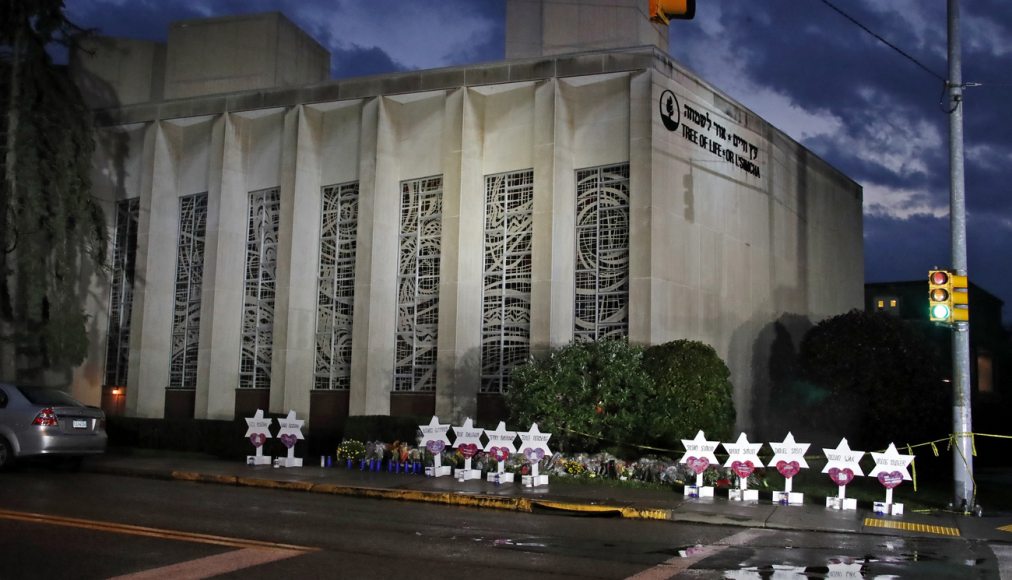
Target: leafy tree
column 51, row 229
column 693, row 391
column 589, row 395
column 879, row 378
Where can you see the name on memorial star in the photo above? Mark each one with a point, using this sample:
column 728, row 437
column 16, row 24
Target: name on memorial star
column 536, row 438
column 470, row 434
column 848, row 457
column 260, row 424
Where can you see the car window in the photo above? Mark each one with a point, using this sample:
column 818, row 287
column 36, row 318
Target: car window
column 49, row 397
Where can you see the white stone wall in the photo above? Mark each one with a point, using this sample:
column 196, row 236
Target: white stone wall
column 716, row 254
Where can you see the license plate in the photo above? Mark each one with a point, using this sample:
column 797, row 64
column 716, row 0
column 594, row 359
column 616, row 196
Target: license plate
column 80, row 424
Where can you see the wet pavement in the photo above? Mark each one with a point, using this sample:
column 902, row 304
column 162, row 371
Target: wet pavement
column 559, row 495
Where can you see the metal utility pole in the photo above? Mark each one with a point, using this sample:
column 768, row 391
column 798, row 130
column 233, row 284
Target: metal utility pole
column 962, row 426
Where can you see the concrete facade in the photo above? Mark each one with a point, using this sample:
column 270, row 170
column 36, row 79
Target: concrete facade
column 732, row 226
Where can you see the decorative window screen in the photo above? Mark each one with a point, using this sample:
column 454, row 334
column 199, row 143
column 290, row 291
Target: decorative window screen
column 335, row 287
column 602, row 252
column 189, row 279
column 506, row 298
column 259, row 289
column 117, row 354
column 418, row 284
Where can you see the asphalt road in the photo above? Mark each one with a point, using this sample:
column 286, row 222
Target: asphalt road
column 75, row 525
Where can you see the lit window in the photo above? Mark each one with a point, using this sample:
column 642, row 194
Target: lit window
column 985, row 374
column 881, row 304
column 892, row 303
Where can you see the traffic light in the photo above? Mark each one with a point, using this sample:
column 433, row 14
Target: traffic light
column 948, row 297
column 940, row 296
column 960, row 298
column 664, row 10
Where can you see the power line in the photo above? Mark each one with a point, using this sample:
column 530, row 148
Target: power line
column 884, row 41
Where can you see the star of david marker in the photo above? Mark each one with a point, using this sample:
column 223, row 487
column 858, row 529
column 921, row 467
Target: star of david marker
column 743, row 459
column 534, row 446
column 468, row 442
column 842, row 466
column 500, row 446
column 699, row 456
column 789, row 459
column 258, row 432
column 891, row 470
column 434, row 439
column 289, row 435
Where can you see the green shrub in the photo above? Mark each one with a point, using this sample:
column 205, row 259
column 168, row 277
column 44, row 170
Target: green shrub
column 692, row 391
column 879, row 378
column 588, row 395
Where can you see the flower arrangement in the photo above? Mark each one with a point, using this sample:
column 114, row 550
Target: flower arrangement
column 351, row 450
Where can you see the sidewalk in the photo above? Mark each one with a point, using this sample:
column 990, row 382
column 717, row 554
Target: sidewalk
column 559, row 495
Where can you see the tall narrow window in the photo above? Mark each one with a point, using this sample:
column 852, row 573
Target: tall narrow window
column 189, row 278
column 335, row 286
column 602, row 252
column 117, row 353
column 506, row 297
column 418, row 284
column 259, row 289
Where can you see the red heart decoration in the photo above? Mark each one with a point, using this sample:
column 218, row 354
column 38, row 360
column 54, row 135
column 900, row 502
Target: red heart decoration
column 697, row 464
column 841, row 477
column 468, row 450
column 499, row 453
column 742, row 469
column 788, row 469
column 257, row 439
column 289, row 440
column 890, row 480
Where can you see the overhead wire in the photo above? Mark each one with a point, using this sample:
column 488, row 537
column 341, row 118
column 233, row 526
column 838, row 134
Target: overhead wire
column 881, row 39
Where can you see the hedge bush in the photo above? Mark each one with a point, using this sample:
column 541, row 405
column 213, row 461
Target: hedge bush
column 693, row 391
column 609, row 394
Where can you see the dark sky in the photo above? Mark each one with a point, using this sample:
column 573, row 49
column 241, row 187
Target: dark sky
column 852, row 100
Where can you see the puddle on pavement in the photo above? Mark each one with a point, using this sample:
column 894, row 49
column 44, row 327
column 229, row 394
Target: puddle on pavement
column 851, row 568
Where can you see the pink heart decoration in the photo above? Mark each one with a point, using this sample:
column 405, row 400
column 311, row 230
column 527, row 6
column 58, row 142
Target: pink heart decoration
column 468, row 450
column 788, row 469
column 534, row 455
column 841, row 477
column 742, row 469
column 499, row 453
column 697, row 464
column 890, row 480
column 257, row 439
column 289, row 440
column 435, row 446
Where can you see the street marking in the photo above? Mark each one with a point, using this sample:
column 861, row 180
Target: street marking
column 213, row 565
column 148, row 532
column 680, row 564
column 1007, row 528
column 908, row 527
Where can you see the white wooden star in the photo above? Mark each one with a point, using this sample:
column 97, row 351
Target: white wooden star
column 467, row 434
column 843, row 458
column 789, row 451
column 891, row 461
column 258, row 425
column 699, row 449
column 743, row 452
column 434, row 431
column 291, row 426
column 534, row 443
column 501, row 438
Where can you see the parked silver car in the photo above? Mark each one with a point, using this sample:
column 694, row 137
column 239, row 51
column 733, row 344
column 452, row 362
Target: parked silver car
column 43, row 421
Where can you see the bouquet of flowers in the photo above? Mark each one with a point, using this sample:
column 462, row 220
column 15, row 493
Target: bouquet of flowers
column 351, row 449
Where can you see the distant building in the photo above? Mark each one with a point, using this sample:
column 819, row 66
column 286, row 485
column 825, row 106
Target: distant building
column 396, row 244
column 909, row 301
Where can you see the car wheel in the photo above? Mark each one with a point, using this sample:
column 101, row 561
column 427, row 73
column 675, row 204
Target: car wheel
column 6, row 454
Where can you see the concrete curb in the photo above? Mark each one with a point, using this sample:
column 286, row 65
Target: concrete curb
column 516, row 504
